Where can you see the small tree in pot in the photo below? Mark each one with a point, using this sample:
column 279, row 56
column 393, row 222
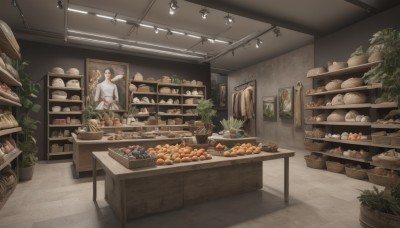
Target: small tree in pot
column 206, row 112
column 26, row 141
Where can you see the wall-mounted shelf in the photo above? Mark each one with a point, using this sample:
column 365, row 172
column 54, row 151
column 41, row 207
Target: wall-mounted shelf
column 385, row 105
column 65, row 100
column 341, row 156
column 366, row 105
column 60, row 153
column 8, row 78
column 345, row 71
column 8, row 158
column 386, row 126
column 59, row 138
column 359, row 142
column 65, row 88
column 8, row 102
column 366, row 124
column 66, row 113
column 10, row 131
column 360, row 88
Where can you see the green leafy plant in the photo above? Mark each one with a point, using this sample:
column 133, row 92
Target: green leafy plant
column 386, row 201
column 205, row 110
column 387, row 43
column 27, row 93
column 90, row 112
column 133, row 110
column 232, row 123
column 358, row 52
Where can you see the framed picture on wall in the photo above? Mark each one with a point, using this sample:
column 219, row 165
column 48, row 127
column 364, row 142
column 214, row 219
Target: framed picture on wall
column 107, row 84
column 285, row 98
column 269, row 108
column 222, row 96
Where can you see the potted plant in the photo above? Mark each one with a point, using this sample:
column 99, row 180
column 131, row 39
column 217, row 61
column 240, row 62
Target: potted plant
column 206, row 112
column 380, row 208
column 231, row 127
column 357, row 57
column 90, row 112
column 387, row 43
column 26, row 141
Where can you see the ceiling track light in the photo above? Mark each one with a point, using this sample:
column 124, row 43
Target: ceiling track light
column 204, row 12
column 14, row 3
column 173, row 6
column 277, row 32
column 229, row 20
column 114, row 20
column 156, row 30
column 258, row 43
column 60, row 4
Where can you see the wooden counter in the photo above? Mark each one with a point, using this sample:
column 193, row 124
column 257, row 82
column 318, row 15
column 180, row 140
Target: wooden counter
column 82, row 149
column 145, row 191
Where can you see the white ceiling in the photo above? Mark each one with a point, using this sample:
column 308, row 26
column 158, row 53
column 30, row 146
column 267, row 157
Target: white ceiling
column 298, row 21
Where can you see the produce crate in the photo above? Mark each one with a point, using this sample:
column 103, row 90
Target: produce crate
column 131, row 164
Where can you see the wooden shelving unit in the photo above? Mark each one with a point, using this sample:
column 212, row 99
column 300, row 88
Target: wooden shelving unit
column 341, row 156
column 340, row 106
column 359, row 88
column 348, row 70
column 10, row 131
column 363, row 124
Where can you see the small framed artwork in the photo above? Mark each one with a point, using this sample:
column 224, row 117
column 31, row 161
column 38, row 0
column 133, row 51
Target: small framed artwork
column 269, row 108
column 285, row 97
column 222, row 96
column 107, row 84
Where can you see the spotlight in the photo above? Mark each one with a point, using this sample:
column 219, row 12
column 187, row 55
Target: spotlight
column 211, row 40
column 173, row 6
column 204, row 12
column 156, row 30
column 169, row 33
column 258, row 44
column 114, row 20
column 277, row 32
column 14, row 3
column 229, row 20
column 60, row 4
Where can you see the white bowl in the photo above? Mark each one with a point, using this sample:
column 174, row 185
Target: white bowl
column 56, row 108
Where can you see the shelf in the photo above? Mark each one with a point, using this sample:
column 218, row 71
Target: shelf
column 169, row 84
column 66, row 113
column 347, row 70
column 367, row 105
column 169, row 94
column 361, row 143
column 8, row 78
column 198, row 96
column 189, row 105
column 64, row 75
column 385, row 105
column 385, row 166
column 360, row 88
column 169, row 104
column 340, row 123
column 65, row 125
column 61, row 153
column 190, row 115
column 10, row 131
column 8, row 158
column 195, row 86
column 60, row 139
column 65, row 100
column 143, row 126
column 166, row 114
column 141, row 115
column 144, row 93
column 144, row 82
column 385, row 146
column 147, row 104
column 341, row 156
column 65, row 88
column 5, row 101
column 386, row 126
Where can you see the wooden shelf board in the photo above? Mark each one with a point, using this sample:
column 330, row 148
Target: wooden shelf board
column 387, row 126
column 145, row 93
column 189, row 105
column 61, row 153
column 385, row 166
column 359, row 88
column 190, row 115
column 141, row 115
column 136, row 126
column 180, row 114
column 65, row 88
column 64, row 75
column 347, row 70
column 60, row 139
column 169, row 104
column 10, row 157
column 361, row 143
column 385, row 146
column 341, row 156
column 65, row 100
column 196, row 86
column 199, row 96
column 169, row 94
column 146, row 104
column 66, row 113
column 385, row 105
column 169, row 84
column 65, row 125
column 7, row 78
column 10, row 131
column 5, row 101
column 340, row 123
column 367, row 105
column 144, row 82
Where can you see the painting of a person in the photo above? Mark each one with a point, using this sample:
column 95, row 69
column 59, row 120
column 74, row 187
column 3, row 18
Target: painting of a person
column 107, row 92
column 285, row 102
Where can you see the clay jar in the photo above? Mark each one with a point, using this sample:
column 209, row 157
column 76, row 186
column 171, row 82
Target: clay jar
column 108, row 123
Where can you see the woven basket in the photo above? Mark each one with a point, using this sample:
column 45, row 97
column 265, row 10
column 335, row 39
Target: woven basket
column 143, row 88
column 316, row 71
column 378, row 139
column 360, row 174
column 131, row 164
column 337, row 66
column 337, row 100
column 165, row 90
column 351, row 83
column 354, row 98
column 314, row 146
column 91, row 135
column 201, row 139
column 216, row 153
column 357, row 60
column 335, row 167
column 315, row 164
column 75, row 108
column 57, row 70
column 333, row 85
column 381, row 180
column 318, row 132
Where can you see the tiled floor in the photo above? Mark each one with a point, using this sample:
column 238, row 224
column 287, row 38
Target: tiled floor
column 317, row 199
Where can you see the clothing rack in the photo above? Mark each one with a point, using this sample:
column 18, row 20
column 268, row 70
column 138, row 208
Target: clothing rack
column 253, row 83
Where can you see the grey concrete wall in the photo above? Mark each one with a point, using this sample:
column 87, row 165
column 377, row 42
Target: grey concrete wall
column 283, row 71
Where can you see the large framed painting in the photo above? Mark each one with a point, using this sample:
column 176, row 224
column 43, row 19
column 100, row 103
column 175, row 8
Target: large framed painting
column 269, row 108
column 285, row 97
column 107, row 84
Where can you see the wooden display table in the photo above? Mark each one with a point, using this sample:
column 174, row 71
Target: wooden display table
column 231, row 142
column 84, row 148
column 145, row 191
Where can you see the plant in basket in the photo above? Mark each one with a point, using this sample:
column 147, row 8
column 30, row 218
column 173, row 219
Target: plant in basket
column 232, row 127
column 205, row 110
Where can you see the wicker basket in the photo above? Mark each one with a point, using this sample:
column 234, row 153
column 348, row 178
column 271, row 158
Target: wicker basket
column 131, row 164
column 318, row 132
column 337, row 66
column 333, row 85
column 90, row 135
column 354, row 98
column 381, row 180
column 201, row 139
column 360, row 174
column 351, row 83
column 357, row 60
column 378, row 139
column 314, row 146
column 335, row 167
column 375, row 57
column 337, row 116
column 316, row 71
column 315, row 164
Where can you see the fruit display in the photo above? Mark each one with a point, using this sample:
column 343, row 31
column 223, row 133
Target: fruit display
column 134, row 152
column 171, row 154
column 242, row 149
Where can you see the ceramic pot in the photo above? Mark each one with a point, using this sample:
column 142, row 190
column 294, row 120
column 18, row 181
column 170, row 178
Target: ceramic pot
column 26, row 174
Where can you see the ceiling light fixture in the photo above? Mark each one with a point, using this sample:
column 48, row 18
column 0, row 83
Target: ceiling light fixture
column 60, row 4
column 114, row 20
column 173, row 6
column 277, row 32
column 229, row 20
column 222, row 41
column 211, row 40
column 194, row 36
column 258, row 43
column 156, row 30
column 77, row 11
column 204, row 12
column 179, row 33
column 147, row 26
column 14, row 3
